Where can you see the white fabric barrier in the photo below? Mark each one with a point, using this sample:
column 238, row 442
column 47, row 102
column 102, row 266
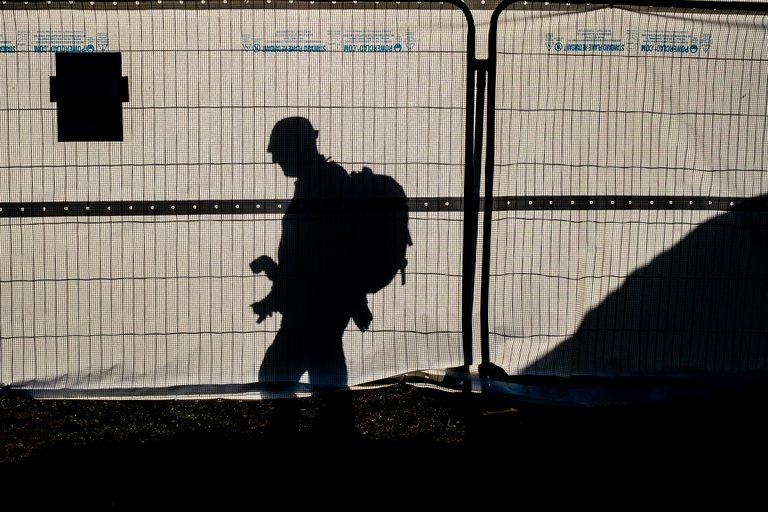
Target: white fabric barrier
column 629, row 137
column 628, row 228
column 99, row 301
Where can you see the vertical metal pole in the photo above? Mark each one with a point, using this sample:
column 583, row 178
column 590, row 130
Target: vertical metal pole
column 471, row 201
column 482, row 74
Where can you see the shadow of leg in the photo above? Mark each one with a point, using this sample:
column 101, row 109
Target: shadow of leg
column 335, row 418
column 286, row 417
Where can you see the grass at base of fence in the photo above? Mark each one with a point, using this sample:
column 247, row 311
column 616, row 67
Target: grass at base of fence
column 400, row 422
column 34, row 428
column 409, row 446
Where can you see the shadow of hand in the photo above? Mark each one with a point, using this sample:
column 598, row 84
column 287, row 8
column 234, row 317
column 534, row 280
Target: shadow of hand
column 362, row 317
column 263, row 308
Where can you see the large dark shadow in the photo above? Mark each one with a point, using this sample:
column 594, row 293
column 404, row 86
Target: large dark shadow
column 699, row 309
column 326, row 263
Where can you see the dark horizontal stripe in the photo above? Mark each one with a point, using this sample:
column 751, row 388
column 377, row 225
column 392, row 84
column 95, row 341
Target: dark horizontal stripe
column 565, row 203
column 423, row 204
column 252, row 107
column 226, row 207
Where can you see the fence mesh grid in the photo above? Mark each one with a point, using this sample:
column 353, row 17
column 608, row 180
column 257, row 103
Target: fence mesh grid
column 176, row 199
column 124, row 265
column 626, row 142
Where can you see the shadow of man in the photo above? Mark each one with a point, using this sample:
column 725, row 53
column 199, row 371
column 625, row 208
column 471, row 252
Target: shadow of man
column 313, row 287
column 698, row 309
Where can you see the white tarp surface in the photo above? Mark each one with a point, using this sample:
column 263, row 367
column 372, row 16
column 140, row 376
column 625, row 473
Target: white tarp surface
column 593, row 105
column 159, row 305
column 663, row 108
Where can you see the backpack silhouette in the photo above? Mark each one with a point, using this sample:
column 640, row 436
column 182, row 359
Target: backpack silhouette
column 379, row 228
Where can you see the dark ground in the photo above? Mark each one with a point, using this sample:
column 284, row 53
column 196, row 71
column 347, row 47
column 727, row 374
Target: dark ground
column 410, row 447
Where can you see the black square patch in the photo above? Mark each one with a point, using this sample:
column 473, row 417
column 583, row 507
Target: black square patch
column 89, row 91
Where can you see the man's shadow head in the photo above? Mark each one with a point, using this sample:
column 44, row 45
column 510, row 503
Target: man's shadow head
column 293, row 145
